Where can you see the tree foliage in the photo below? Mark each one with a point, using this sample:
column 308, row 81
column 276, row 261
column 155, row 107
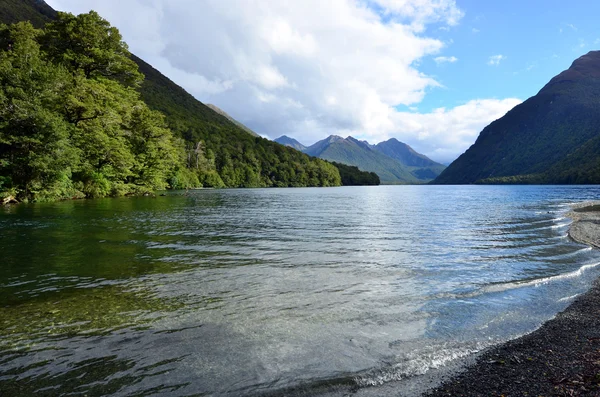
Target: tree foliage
column 352, row 176
column 74, row 128
column 232, row 156
column 73, row 124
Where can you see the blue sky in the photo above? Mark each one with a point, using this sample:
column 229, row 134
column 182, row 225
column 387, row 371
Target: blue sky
column 537, row 39
column 430, row 73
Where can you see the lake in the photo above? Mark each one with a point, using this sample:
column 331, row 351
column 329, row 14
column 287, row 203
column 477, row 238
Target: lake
column 312, row 291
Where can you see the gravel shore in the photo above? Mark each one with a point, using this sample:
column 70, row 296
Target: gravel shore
column 562, row 358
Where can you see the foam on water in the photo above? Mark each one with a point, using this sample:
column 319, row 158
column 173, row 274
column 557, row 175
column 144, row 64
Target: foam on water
column 540, row 281
column 418, row 363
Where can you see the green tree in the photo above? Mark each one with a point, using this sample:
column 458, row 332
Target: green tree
column 35, row 154
column 87, row 44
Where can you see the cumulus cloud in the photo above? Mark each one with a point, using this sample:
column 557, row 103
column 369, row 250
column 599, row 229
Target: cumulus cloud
column 440, row 60
column 306, row 68
column 495, row 60
column 443, row 134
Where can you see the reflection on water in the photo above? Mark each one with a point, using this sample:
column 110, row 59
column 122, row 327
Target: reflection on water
column 247, row 292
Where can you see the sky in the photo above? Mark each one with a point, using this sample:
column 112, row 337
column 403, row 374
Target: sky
column 430, row 73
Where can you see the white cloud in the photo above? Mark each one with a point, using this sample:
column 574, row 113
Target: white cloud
column 306, row 68
column 475, row 30
column 494, row 60
column 422, row 12
column 439, row 60
column 444, row 134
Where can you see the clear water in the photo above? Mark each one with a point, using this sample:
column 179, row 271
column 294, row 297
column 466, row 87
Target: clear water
column 278, row 291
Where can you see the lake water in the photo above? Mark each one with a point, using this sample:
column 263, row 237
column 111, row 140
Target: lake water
column 278, row 291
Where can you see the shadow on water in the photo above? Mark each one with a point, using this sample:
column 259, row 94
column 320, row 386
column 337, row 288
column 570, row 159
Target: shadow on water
column 70, row 277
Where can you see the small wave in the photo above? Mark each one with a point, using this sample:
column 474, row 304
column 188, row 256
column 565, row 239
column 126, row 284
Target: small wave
column 548, row 227
column 560, row 225
column 561, row 237
column 507, row 286
column 540, row 281
column 568, row 298
column 417, row 363
column 569, row 255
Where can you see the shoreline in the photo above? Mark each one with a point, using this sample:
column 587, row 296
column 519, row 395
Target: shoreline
column 561, row 358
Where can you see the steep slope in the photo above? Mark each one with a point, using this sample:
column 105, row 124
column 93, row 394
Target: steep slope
column 406, row 155
column 233, row 157
column 291, row 142
column 234, row 121
column 351, row 151
column 35, row 11
column 550, row 138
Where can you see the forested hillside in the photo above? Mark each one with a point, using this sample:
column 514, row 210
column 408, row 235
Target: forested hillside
column 79, row 119
column 352, row 176
column 553, row 137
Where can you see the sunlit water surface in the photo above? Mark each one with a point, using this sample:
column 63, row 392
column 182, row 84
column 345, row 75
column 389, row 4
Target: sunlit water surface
column 278, row 291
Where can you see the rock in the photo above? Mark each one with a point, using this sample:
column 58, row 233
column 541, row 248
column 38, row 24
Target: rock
column 10, row 200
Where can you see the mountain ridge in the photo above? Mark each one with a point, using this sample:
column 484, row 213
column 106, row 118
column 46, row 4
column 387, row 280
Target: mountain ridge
column 371, row 158
column 536, row 140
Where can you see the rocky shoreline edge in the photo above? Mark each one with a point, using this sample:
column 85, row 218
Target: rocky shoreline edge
column 561, row 358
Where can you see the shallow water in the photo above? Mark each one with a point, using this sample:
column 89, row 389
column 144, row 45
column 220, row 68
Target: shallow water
column 283, row 291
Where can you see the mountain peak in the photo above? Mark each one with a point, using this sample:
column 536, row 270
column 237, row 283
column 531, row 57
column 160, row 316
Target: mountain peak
column 334, row 138
column 586, row 66
column 405, row 154
column 291, row 142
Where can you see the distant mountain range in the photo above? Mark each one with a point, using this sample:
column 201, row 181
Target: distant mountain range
column 394, row 161
column 553, row 137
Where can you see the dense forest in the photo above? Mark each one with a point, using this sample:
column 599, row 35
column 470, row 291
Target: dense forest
column 352, row 176
column 73, row 123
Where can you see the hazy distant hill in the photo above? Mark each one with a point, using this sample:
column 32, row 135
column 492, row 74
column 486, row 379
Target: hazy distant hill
column 224, row 113
column 368, row 158
column 553, row 137
column 291, row 142
column 406, row 155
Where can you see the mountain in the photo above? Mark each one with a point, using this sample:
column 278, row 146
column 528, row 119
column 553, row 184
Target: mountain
column 366, row 157
column 317, row 148
column 234, row 121
column 553, row 137
column 231, row 156
column 408, row 156
column 404, row 154
column 35, row 11
column 291, row 142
